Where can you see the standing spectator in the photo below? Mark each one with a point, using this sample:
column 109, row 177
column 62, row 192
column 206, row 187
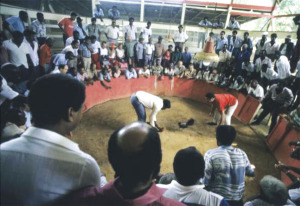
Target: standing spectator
column 120, row 53
column 78, row 27
column 3, row 51
column 112, row 33
column 260, row 45
column 32, row 46
column 85, row 53
column 186, row 57
column 98, row 12
column 140, row 52
column 220, row 42
column 149, row 50
column 256, row 90
column 287, row 47
column 72, row 38
column 271, row 47
column 276, row 101
column 176, row 56
column 235, row 44
column 44, row 145
column 45, row 54
column 218, row 24
column 113, row 13
column 242, row 57
column 146, row 32
column 224, row 58
column 94, row 29
column 283, row 65
column 130, row 40
column 259, row 62
column 95, row 45
column 226, row 167
column 130, row 73
column 180, row 37
column 248, row 41
column 205, row 22
column 67, row 26
column 188, row 166
column 39, row 27
column 159, row 51
column 16, row 23
column 233, row 24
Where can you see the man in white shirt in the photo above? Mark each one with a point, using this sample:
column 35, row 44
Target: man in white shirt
column 94, row 28
column 233, row 24
column 62, row 59
column 51, row 165
column 267, row 74
column 283, row 65
column 141, row 100
column 259, row 62
column 180, row 37
column 247, row 69
column 235, row 44
column 72, row 38
column 256, row 90
column 130, row 39
column 189, row 167
column 73, row 48
column 32, row 46
column 146, row 32
column 62, row 69
column 6, row 92
column 260, row 45
column 112, row 33
column 205, row 22
column 149, row 51
column 271, row 47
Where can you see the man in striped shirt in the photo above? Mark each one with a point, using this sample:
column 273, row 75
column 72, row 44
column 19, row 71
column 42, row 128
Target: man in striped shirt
column 226, row 167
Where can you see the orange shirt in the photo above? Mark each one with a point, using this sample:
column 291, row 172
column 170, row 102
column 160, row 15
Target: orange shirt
column 68, row 26
column 224, row 100
column 45, row 55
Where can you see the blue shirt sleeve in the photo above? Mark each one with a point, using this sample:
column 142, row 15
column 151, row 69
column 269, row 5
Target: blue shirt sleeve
column 224, row 203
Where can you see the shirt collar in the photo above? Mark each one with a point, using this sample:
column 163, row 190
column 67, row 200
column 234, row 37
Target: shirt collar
column 51, row 137
column 226, row 147
column 175, row 184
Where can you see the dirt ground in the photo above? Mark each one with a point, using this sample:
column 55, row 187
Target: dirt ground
column 99, row 122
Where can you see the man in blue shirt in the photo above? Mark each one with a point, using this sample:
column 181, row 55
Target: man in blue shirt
column 16, row 23
column 248, row 41
column 186, row 57
column 221, row 41
column 114, row 13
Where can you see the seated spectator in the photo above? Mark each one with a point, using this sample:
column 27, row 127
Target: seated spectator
column 186, row 57
column 85, row 53
column 158, row 70
column 256, row 90
column 176, row 56
column 114, row 13
column 39, row 27
column 115, row 68
column 149, row 53
column 277, row 100
column 120, row 53
column 130, row 73
column 62, row 59
column 72, row 38
column 94, row 29
column 159, row 52
column 95, row 45
column 205, row 22
column 226, row 167
column 45, row 54
column 92, row 73
column 98, row 12
column 218, row 24
column 140, row 52
column 179, row 69
column 267, row 75
column 166, row 62
column 233, row 24
column 44, row 145
column 144, row 72
column 67, row 26
column 112, row 52
column 272, row 192
column 287, row 47
column 73, row 73
column 14, row 126
column 79, row 27
column 238, row 84
column 104, row 76
column 260, row 45
column 247, row 69
column 189, row 73
column 282, row 65
column 188, row 167
column 16, row 23
column 62, row 69
column 263, row 59
column 213, row 77
column 136, row 145
column 271, row 47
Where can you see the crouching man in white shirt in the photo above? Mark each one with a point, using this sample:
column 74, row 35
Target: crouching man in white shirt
column 141, row 100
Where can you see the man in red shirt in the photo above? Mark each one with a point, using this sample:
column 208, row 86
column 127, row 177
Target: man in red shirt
column 222, row 102
column 67, row 26
column 45, row 54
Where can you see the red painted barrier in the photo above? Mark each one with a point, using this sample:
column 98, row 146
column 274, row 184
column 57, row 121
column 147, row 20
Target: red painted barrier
column 247, row 107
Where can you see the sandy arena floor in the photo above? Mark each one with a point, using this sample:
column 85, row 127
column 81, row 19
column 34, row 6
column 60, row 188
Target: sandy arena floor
column 99, row 122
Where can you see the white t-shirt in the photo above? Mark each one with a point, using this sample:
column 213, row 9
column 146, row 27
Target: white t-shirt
column 180, row 37
column 146, row 33
column 6, row 92
column 131, row 31
column 120, row 52
column 70, row 48
column 33, row 52
column 103, row 51
column 16, row 55
column 283, row 67
column 258, row 91
column 69, row 41
column 271, row 49
column 149, row 48
column 96, row 46
column 152, row 102
column 111, row 32
column 143, row 72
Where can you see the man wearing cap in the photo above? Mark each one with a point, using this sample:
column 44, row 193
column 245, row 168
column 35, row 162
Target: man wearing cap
column 130, row 39
column 78, row 27
column 67, row 25
column 112, row 33
column 94, row 29
column 158, row 52
column 260, row 45
column 287, row 47
column 98, row 12
column 180, row 37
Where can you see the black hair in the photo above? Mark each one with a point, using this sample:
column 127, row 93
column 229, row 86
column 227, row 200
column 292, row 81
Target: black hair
column 39, row 14
column 225, row 134
column 74, row 42
column 23, row 13
column 52, row 95
column 16, row 116
column 234, row 31
column 246, row 33
column 137, row 166
column 93, row 19
column 103, row 42
column 188, row 166
column 131, row 18
column 93, row 37
column 69, row 54
column 73, row 13
column 223, row 32
column 61, row 66
column 205, row 17
column 210, row 95
column 274, row 35
column 167, row 103
column 17, row 35
column 167, row 178
column 75, row 32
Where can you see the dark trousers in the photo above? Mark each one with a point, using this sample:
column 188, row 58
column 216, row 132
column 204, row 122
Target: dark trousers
column 235, row 202
column 65, row 38
column 138, row 107
column 140, row 63
column 270, row 106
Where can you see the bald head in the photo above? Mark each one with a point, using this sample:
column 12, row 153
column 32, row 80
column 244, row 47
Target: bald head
column 134, row 152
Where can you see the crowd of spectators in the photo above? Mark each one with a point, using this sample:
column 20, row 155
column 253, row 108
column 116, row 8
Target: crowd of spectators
column 54, row 104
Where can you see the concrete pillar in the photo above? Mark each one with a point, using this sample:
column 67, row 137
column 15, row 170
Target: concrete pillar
column 142, row 10
column 93, row 6
column 228, row 17
column 183, row 13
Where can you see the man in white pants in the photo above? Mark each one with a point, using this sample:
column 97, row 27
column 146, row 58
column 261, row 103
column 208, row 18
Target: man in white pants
column 225, row 104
